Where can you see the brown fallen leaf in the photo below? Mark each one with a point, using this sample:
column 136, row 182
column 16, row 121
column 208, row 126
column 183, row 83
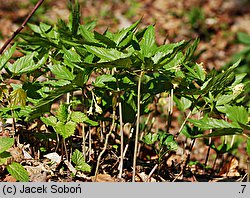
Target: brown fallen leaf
column 103, row 178
column 143, row 177
column 9, row 178
column 230, row 169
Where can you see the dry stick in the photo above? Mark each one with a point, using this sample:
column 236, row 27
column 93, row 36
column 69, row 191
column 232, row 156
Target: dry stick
column 126, row 147
column 21, row 27
column 186, row 160
column 151, row 172
column 141, row 136
column 170, row 109
column 184, row 122
column 137, row 126
column 68, row 157
column 248, row 169
column 120, row 167
column 83, row 142
column 89, row 150
column 209, row 148
column 122, row 139
column 105, row 145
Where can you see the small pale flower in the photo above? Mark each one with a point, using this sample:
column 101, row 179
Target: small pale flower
column 238, row 89
column 98, row 100
column 90, row 111
column 98, row 109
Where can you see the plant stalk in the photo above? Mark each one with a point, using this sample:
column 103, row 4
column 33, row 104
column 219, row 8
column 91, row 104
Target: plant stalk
column 105, row 145
column 122, row 141
column 137, row 126
column 21, row 27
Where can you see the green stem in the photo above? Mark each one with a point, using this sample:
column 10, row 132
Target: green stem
column 137, row 126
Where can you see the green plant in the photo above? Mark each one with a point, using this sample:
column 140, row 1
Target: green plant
column 98, row 72
column 14, row 168
column 162, row 143
column 79, row 161
column 244, row 55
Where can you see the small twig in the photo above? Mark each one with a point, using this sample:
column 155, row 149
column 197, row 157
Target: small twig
column 137, row 125
column 126, row 147
column 105, row 145
column 21, row 27
column 170, row 109
column 209, row 148
column 248, row 169
column 122, row 140
column 184, row 122
column 83, row 142
column 65, row 148
column 90, row 146
column 151, row 172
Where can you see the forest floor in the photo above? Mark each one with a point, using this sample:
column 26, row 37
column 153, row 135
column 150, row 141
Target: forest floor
column 215, row 22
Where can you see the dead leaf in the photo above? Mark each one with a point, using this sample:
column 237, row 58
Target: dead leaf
column 103, row 178
column 54, row 157
column 230, row 169
column 143, row 177
column 39, row 177
column 9, row 178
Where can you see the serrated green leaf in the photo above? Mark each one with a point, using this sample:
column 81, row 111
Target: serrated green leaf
column 189, row 55
column 224, row 99
column 122, row 35
column 79, row 161
column 244, row 38
column 75, row 18
column 244, row 126
column 248, row 147
column 62, row 112
column 150, row 138
column 5, row 143
column 170, row 143
column 211, row 123
column 183, row 103
column 55, row 94
column 77, row 157
column 102, row 79
column 119, row 63
column 165, row 53
column 61, row 72
column 5, row 57
column 84, row 167
column 237, row 113
column 89, row 25
column 87, row 35
column 49, row 121
column 4, row 91
column 18, row 97
column 71, row 55
column 18, row 172
column 221, row 132
column 34, row 28
column 126, row 41
column 4, row 156
column 239, row 78
column 65, row 129
column 148, row 41
column 44, row 27
column 23, row 64
column 105, row 40
column 218, row 83
column 79, row 117
column 106, row 54
column 200, row 72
